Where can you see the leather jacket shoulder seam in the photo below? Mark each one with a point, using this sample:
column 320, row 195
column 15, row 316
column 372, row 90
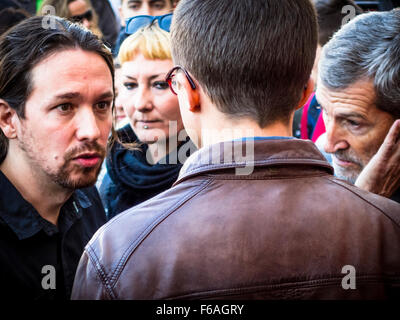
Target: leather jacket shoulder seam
column 100, row 271
column 386, row 214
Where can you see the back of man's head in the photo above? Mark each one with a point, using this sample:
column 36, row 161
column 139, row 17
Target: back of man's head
column 252, row 58
column 366, row 48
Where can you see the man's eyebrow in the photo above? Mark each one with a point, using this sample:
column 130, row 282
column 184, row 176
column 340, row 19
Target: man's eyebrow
column 106, row 95
column 74, row 95
column 344, row 114
column 68, row 95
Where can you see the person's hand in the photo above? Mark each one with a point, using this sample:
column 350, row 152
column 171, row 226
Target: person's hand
column 382, row 174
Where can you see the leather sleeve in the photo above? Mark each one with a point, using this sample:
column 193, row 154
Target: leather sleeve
column 88, row 284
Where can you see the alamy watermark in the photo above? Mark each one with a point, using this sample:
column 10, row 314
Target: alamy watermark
column 48, row 20
column 49, row 278
column 351, row 13
column 349, row 280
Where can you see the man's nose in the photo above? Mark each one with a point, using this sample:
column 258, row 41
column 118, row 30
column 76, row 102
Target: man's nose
column 87, row 125
column 334, row 138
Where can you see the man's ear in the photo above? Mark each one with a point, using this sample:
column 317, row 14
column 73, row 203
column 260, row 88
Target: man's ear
column 308, row 90
column 7, row 125
column 193, row 95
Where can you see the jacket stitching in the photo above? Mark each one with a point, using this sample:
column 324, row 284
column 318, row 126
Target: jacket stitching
column 263, row 178
column 145, row 233
column 100, row 271
column 281, row 286
column 270, row 161
column 366, row 200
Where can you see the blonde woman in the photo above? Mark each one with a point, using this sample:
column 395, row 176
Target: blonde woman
column 134, row 176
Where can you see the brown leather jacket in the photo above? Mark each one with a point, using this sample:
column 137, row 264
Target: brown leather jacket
column 286, row 231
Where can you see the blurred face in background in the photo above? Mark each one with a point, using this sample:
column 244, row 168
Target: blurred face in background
column 81, row 12
column 130, row 8
column 120, row 117
column 147, row 99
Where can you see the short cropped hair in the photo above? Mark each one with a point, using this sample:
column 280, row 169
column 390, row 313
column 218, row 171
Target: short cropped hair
column 252, row 58
column 368, row 47
column 152, row 42
column 26, row 45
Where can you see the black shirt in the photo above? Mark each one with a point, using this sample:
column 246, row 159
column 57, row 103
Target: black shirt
column 35, row 255
column 396, row 196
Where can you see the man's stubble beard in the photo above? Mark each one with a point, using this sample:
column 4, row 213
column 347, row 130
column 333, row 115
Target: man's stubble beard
column 62, row 176
column 350, row 175
column 347, row 175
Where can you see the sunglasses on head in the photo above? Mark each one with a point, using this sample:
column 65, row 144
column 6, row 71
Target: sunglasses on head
column 137, row 22
column 88, row 15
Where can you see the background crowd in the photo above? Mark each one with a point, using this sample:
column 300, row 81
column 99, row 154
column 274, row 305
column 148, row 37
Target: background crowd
column 148, row 137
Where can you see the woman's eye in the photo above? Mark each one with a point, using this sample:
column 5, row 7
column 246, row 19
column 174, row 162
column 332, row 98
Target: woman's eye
column 130, row 85
column 162, row 85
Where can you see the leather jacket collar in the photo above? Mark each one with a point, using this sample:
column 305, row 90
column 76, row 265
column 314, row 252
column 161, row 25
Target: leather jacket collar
column 249, row 154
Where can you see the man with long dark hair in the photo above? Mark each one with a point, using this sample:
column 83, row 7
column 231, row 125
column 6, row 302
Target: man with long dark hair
column 56, row 96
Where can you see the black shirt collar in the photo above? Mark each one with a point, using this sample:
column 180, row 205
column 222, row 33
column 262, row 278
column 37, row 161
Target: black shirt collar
column 396, row 196
column 23, row 218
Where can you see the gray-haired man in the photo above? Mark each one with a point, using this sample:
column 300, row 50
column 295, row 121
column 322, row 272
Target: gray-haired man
column 359, row 92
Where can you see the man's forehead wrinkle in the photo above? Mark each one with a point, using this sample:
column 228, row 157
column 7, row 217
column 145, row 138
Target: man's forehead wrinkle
column 74, row 86
column 75, row 71
column 358, row 101
column 361, row 98
column 354, row 92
